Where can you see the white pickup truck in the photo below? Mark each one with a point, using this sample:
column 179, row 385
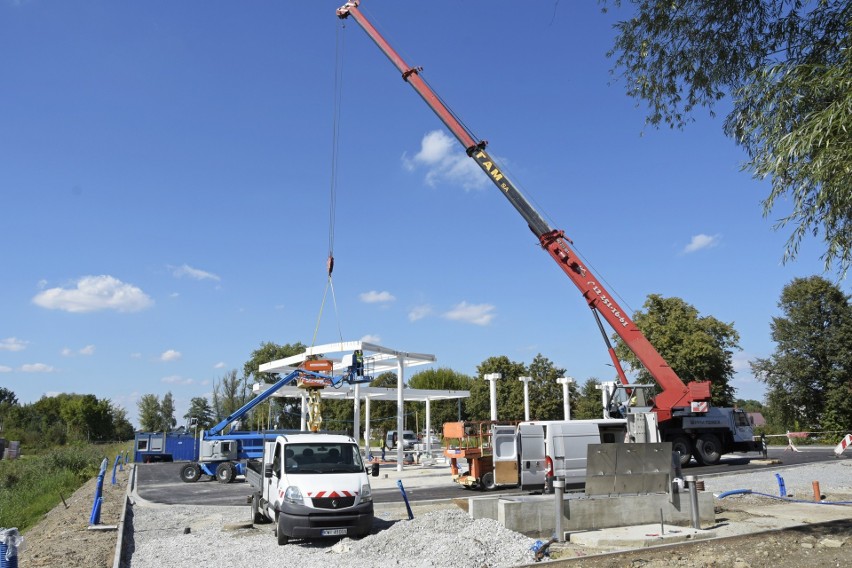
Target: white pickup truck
column 311, row 485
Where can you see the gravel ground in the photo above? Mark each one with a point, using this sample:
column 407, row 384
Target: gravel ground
column 217, row 537
column 439, row 533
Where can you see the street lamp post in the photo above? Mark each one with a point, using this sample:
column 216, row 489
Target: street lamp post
column 493, row 377
column 526, row 381
column 566, row 396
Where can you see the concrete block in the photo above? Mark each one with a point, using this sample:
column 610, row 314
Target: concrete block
column 482, row 507
column 535, row 515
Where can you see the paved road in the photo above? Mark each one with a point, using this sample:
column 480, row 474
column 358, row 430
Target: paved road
column 160, row 482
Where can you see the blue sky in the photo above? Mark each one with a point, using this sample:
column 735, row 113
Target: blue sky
column 166, row 174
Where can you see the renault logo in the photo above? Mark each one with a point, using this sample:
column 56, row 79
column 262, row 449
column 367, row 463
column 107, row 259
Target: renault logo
column 334, row 503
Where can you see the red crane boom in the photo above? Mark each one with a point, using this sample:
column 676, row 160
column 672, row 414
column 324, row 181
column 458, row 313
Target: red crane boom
column 675, row 394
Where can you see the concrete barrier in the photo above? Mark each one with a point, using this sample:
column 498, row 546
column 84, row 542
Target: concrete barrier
column 533, row 515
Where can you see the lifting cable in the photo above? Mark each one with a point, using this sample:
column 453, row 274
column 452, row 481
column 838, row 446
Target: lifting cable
column 332, row 209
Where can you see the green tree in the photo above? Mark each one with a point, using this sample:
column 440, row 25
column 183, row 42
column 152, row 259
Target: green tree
column 383, row 413
column 229, row 394
column 122, row 426
column 200, row 409
column 8, row 397
column 281, row 411
column 809, row 374
column 751, row 405
column 7, row 401
column 510, row 394
column 167, row 412
column 589, row 402
column 149, row 412
column 787, row 66
column 440, row 411
column 697, row 348
column 86, row 417
column 545, row 392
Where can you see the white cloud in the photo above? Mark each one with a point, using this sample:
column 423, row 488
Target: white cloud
column 94, row 293
column 374, row 297
column 419, row 312
column 741, row 362
column 194, row 273
column 445, row 162
column 37, row 368
column 176, row 380
column 135, row 355
column 700, row 242
column 5, row 369
column 478, row 314
column 219, row 365
column 87, row 350
column 170, row 355
column 371, row 339
column 12, row 344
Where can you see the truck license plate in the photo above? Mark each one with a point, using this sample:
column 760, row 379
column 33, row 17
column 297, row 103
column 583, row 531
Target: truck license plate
column 334, row 532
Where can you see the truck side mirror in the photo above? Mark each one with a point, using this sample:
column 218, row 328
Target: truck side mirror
column 267, row 470
column 375, row 470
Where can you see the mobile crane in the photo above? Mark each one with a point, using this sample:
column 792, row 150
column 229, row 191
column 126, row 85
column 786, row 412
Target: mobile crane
column 680, row 412
column 223, row 454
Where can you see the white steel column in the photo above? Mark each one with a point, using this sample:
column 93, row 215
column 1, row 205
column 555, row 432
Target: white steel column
column 356, row 422
column 526, row 381
column 367, row 426
column 303, row 425
column 400, row 408
column 566, row 396
column 428, row 427
column 493, row 377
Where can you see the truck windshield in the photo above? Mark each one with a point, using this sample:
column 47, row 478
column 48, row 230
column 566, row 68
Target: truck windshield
column 322, row 458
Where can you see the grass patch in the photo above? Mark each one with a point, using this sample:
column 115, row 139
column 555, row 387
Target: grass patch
column 31, row 486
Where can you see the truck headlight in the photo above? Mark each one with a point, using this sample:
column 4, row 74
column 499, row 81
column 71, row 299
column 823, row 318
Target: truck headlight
column 293, row 495
column 366, row 493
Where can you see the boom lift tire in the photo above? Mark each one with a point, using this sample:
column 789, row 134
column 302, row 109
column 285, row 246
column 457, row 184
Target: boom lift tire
column 683, row 445
column 488, row 481
column 279, row 531
column 225, row 472
column 708, row 449
column 190, row 473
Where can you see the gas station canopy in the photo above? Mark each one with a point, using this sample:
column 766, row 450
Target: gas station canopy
column 377, row 360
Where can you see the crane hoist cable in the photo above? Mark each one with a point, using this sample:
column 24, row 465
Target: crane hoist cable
column 332, row 208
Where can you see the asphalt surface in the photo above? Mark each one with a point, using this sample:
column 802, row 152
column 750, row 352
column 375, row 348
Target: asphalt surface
column 161, row 483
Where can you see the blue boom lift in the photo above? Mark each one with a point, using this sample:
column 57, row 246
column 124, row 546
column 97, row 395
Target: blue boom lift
column 223, row 455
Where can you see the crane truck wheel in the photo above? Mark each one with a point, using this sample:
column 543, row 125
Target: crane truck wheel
column 190, row 473
column 708, row 449
column 488, row 481
column 683, row 445
column 279, row 531
column 225, row 472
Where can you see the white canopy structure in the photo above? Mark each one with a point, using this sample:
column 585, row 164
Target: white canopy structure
column 377, row 360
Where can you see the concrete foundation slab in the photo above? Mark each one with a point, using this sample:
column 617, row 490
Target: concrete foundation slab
column 640, row 536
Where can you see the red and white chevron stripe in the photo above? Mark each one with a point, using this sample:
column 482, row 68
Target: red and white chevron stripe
column 844, row 443
column 332, row 494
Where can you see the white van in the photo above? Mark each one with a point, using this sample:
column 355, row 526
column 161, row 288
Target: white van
column 311, row 486
column 527, row 454
column 408, row 439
